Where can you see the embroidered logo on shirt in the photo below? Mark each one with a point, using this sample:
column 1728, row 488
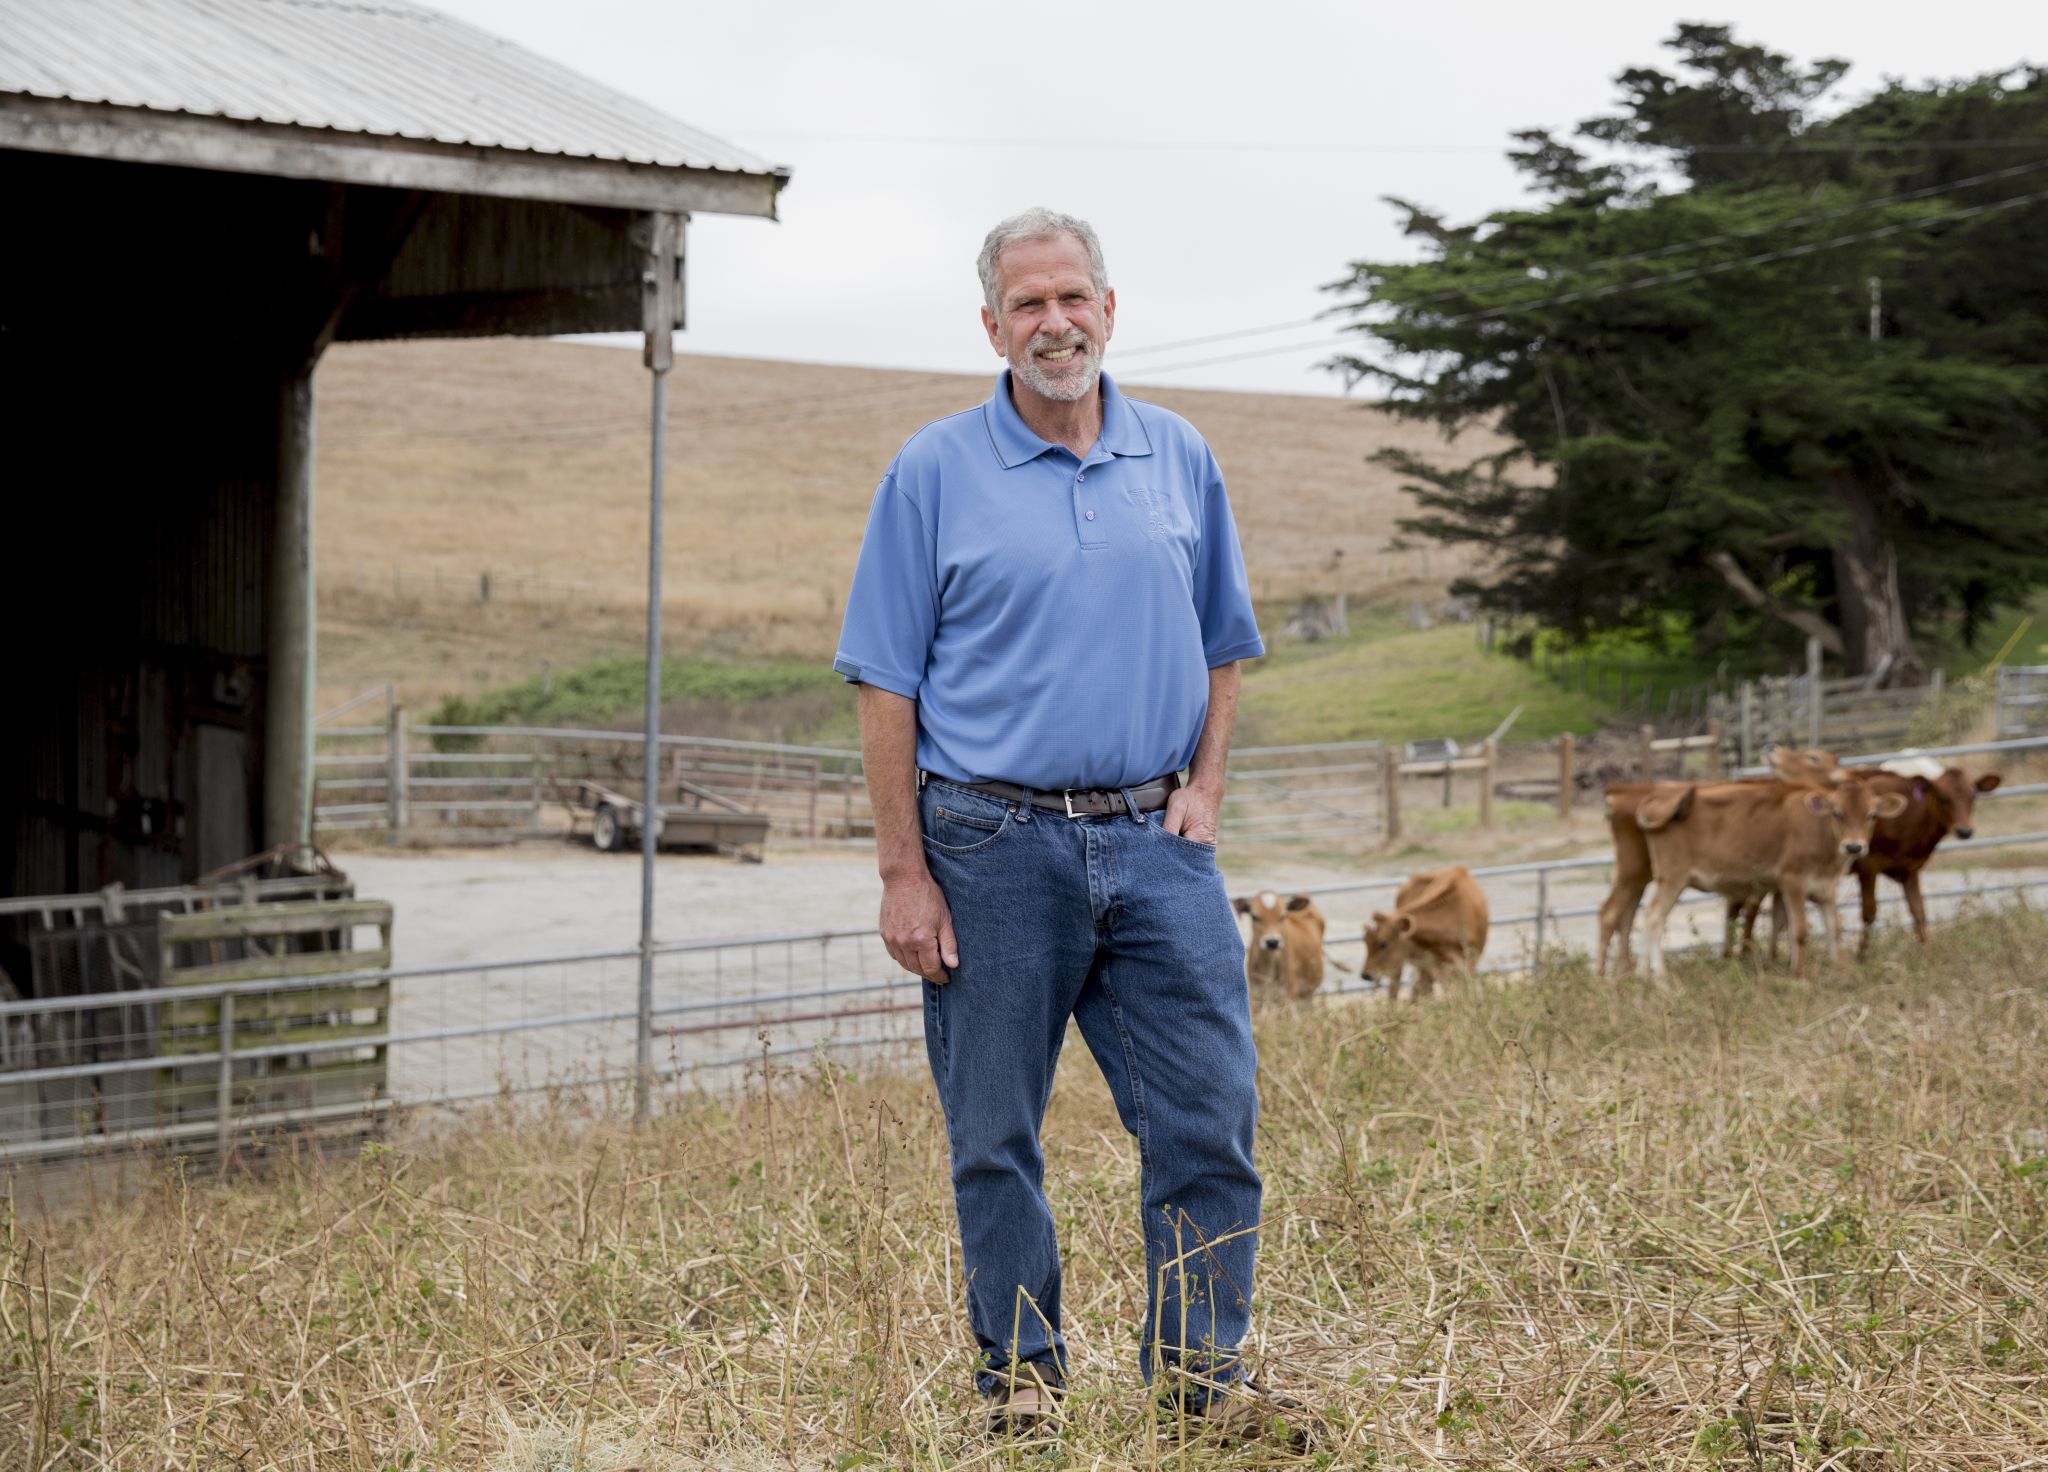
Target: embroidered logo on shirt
column 1158, row 527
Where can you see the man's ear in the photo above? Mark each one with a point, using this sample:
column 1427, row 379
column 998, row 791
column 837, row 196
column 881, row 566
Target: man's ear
column 1298, row 903
column 994, row 328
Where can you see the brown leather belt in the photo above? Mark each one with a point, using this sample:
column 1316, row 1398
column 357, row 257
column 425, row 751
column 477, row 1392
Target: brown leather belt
column 1075, row 802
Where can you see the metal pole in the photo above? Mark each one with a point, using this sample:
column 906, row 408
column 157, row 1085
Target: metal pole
column 650, row 816
column 661, row 312
column 224, row 1082
column 1542, row 904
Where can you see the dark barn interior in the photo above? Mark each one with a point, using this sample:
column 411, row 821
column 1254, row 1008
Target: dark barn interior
column 170, row 273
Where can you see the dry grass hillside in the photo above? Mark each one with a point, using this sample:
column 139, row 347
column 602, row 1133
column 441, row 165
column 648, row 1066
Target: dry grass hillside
column 528, row 460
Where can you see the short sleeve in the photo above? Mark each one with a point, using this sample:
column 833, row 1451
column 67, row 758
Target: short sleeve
column 1223, row 595
column 892, row 608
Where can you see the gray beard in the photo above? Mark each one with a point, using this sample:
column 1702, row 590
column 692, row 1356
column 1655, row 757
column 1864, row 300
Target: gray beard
column 1075, row 382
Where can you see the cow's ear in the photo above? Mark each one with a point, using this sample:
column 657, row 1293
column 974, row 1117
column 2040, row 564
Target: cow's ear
column 1405, row 924
column 1379, row 917
column 1298, row 903
column 1242, row 905
column 1889, row 806
column 1988, row 781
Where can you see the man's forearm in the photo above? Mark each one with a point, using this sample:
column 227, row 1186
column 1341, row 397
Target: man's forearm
column 888, row 754
column 1212, row 751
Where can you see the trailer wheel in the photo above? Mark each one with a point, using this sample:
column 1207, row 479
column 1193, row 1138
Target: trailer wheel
column 605, row 828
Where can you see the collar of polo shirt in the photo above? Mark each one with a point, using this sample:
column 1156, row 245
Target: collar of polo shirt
column 1123, row 433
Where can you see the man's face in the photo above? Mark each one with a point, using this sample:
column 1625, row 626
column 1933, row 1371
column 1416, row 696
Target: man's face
column 1054, row 324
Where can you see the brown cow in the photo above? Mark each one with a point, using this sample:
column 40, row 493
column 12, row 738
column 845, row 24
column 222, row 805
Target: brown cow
column 1286, row 950
column 1439, row 922
column 1903, row 843
column 1938, row 801
column 1745, row 840
column 1794, row 766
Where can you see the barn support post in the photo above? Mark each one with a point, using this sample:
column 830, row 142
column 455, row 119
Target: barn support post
column 288, row 696
column 661, row 298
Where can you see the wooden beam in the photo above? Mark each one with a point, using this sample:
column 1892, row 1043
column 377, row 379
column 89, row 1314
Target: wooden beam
column 537, row 312
column 362, row 268
column 137, row 135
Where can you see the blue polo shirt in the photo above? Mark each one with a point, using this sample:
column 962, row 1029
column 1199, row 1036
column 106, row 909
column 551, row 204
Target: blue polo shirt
column 1054, row 618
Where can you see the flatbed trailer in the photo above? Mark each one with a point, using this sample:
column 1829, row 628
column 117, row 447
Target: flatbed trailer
column 699, row 818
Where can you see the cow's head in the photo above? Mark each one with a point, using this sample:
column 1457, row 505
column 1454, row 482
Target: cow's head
column 1389, row 941
column 1805, row 766
column 1853, row 810
column 1269, row 917
column 1951, row 798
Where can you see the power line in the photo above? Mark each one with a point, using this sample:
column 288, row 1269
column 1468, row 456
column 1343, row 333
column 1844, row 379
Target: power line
column 1226, row 145
column 1667, row 278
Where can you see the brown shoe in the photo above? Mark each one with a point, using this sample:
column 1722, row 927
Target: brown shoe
column 1245, row 1412
column 1025, row 1406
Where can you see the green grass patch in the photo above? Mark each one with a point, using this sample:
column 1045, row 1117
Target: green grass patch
column 1385, row 681
column 772, row 699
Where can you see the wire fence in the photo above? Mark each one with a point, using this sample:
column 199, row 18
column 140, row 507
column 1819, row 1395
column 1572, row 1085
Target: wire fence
column 174, row 1064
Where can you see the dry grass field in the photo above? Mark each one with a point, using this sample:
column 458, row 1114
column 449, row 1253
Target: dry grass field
column 528, row 460
column 1725, row 1221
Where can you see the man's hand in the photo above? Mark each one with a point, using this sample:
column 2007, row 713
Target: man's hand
column 1191, row 812
column 918, row 928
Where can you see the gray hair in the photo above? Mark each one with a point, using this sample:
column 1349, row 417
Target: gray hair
column 1036, row 223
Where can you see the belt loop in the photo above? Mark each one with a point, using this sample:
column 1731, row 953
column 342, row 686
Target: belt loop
column 1131, row 803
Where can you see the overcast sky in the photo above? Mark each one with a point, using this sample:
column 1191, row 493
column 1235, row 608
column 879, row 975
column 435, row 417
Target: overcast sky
column 912, row 128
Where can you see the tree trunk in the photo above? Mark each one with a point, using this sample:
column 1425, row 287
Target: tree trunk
column 1872, row 617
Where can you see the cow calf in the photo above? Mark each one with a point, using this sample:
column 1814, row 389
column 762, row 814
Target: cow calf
column 1285, row 955
column 1438, row 924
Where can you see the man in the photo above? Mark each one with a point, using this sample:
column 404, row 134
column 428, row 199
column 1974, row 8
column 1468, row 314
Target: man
column 1045, row 624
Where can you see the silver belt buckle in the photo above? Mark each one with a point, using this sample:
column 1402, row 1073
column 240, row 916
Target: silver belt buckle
column 1067, row 796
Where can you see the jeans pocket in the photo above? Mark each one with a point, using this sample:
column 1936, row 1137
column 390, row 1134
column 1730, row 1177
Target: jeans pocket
column 1158, row 827
column 953, row 826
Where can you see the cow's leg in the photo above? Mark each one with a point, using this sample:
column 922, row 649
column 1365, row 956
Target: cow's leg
column 1730, row 924
column 1831, row 913
column 1793, row 900
column 1661, row 905
column 1777, row 923
column 1618, row 918
column 1394, row 982
column 1867, row 883
column 1425, row 980
column 1916, row 904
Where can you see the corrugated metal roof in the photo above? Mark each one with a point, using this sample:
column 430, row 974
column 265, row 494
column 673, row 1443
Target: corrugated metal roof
column 388, row 69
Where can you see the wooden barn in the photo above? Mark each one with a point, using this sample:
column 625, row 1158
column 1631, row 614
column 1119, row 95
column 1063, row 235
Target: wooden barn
column 201, row 196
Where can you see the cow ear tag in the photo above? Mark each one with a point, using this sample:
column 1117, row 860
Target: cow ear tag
column 1816, row 804
column 1919, row 789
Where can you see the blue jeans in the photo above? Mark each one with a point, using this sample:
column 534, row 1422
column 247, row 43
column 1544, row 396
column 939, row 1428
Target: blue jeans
column 1126, row 929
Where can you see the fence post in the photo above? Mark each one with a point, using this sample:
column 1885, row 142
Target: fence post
column 1814, row 697
column 1714, row 766
column 1542, row 904
column 1390, row 793
column 539, row 764
column 224, row 1088
column 1648, row 736
column 1745, row 748
column 1567, row 761
column 396, row 806
column 1487, row 753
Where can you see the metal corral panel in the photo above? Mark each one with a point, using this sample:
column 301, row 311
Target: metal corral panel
column 391, row 69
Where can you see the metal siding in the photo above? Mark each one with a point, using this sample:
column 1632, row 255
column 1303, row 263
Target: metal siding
column 390, row 70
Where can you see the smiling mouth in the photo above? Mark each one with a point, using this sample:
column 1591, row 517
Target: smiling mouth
column 1059, row 355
